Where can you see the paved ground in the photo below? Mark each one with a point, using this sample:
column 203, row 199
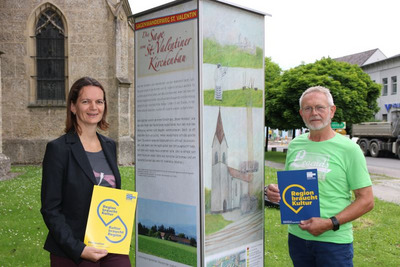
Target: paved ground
column 386, row 185
column 387, row 189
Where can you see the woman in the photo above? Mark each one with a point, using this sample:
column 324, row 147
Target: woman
column 72, row 165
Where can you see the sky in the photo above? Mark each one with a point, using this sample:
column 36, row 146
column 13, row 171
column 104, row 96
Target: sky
column 305, row 31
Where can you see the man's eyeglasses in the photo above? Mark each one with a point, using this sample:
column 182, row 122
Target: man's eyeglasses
column 318, row 109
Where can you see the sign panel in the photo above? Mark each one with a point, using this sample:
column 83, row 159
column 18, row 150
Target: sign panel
column 338, row 125
column 299, row 195
column 168, row 47
column 199, row 135
column 233, row 135
column 167, row 139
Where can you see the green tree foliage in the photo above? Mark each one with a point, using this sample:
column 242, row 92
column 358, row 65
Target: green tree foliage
column 193, row 242
column 353, row 91
column 272, row 72
column 182, row 235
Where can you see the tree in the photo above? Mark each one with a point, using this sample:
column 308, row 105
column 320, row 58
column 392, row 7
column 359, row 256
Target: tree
column 193, row 242
column 170, row 230
column 167, row 236
column 272, row 72
column 142, row 230
column 157, row 235
column 354, row 93
column 161, row 228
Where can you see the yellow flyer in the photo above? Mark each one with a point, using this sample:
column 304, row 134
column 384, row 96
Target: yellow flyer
column 110, row 222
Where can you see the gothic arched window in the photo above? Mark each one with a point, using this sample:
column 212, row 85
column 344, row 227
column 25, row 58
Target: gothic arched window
column 223, row 158
column 50, row 57
column 216, row 157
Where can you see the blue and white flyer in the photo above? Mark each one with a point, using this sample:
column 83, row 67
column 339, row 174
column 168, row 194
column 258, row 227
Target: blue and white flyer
column 299, row 195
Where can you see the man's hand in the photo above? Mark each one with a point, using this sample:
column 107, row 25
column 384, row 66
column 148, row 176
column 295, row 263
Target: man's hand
column 93, row 254
column 316, row 226
column 364, row 202
column 272, row 193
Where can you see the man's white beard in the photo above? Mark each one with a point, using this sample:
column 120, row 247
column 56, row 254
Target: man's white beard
column 321, row 126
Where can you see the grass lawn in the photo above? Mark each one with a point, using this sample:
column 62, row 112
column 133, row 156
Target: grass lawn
column 22, row 231
column 275, row 156
column 168, row 250
column 231, row 55
column 235, row 98
column 214, row 223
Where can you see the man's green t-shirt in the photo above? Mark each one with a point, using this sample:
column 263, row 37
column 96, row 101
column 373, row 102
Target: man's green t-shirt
column 341, row 168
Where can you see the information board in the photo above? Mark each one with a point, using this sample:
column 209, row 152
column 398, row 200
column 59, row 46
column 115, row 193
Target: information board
column 199, row 111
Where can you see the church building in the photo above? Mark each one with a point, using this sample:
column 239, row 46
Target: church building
column 229, row 186
column 46, row 46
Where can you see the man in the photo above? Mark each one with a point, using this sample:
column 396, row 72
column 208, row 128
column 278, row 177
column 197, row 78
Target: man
column 328, row 240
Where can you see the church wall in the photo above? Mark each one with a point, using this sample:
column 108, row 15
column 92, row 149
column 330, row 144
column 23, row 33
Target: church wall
column 236, row 193
column 228, row 189
column 224, row 149
column 216, row 196
column 221, row 188
column 226, row 185
column 91, row 50
column 221, row 181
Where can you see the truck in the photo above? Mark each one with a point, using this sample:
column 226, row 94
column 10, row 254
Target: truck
column 379, row 138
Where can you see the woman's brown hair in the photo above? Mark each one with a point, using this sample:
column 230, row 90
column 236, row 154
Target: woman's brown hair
column 71, row 124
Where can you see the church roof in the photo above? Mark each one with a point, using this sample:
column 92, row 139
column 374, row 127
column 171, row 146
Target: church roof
column 219, row 131
column 247, row 177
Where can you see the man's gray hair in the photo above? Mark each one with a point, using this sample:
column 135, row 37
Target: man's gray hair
column 320, row 89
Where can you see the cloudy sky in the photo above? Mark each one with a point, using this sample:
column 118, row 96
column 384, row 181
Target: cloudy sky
column 307, row 30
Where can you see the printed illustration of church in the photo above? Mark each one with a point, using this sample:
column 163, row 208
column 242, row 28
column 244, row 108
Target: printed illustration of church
column 229, row 186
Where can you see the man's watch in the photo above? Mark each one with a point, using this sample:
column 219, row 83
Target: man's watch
column 335, row 222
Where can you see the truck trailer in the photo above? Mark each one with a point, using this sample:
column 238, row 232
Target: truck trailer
column 378, row 138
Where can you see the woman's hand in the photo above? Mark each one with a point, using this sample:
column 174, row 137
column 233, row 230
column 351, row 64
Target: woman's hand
column 93, row 254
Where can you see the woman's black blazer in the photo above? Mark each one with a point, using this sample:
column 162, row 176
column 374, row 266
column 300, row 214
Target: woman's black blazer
column 67, row 185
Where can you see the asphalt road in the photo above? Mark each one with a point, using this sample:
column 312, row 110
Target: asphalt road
column 385, row 175
column 384, row 166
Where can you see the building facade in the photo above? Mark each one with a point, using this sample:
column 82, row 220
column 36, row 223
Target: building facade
column 384, row 71
column 49, row 44
column 5, row 163
column 387, row 73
